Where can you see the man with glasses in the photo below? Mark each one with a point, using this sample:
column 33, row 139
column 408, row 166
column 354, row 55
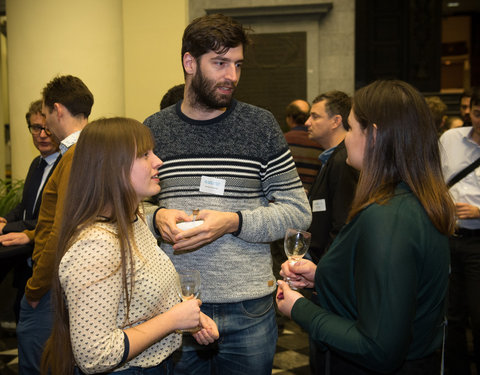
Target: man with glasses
column 67, row 103
column 24, row 215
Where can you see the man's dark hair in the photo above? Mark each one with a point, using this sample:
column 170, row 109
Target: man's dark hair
column 172, row 96
column 475, row 98
column 466, row 94
column 214, row 32
column 296, row 114
column 71, row 92
column 337, row 103
column 35, row 107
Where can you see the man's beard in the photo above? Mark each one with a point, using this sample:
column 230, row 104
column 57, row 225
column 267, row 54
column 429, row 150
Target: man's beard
column 205, row 95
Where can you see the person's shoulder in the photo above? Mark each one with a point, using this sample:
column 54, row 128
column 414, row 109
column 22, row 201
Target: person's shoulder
column 97, row 235
column 455, row 133
column 403, row 206
column 252, row 109
column 339, row 155
column 159, row 116
column 35, row 159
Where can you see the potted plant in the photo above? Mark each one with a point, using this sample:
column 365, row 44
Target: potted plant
column 10, row 194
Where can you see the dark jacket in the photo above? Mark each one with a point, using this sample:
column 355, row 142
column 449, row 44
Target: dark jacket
column 16, row 222
column 335, row 184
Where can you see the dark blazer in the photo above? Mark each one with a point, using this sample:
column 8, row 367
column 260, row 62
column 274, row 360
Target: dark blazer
column 15, row 218
column 335, row 184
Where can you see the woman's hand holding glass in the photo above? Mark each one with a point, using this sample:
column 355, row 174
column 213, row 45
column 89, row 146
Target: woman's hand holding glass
column 204, row 330
column 286, row 298
column 300, row 274
column 187, row 314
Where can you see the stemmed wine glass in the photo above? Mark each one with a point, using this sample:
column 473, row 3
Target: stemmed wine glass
column 188, row 287
column 296, row 245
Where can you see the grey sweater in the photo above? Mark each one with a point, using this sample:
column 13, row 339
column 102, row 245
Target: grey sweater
column 246, row 148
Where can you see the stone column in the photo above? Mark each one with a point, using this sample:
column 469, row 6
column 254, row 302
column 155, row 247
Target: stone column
column 58, row 37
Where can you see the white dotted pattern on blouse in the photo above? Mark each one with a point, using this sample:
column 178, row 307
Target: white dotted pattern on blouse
column 90, row 276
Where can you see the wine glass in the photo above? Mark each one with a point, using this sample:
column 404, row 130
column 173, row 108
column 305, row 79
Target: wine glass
column 296, row 245
column 188, row 287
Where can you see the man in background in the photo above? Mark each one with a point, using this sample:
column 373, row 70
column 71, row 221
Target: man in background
column 67, row 103
column 172, row 96
column 465, row 107
column 334, row 187
column 461, row 148
column 439, row 112
column 24, row 215
column 304, row 150
column 332, row 192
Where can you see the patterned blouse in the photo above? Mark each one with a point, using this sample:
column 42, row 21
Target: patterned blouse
column 91, row 279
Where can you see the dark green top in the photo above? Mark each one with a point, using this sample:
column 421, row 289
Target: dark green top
column 381, row 287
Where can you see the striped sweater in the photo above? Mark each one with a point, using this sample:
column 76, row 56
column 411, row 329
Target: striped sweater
column 245, row 148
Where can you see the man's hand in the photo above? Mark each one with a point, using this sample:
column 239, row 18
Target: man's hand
column 14, row 238
column 286, row 298
column 167, row 219
column 32, row 303
column 215, row 225
column 2, row 225
column 208, row 332
column 467, row 211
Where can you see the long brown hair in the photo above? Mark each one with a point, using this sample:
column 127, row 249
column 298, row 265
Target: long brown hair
column 100, row 186
column 402, row 145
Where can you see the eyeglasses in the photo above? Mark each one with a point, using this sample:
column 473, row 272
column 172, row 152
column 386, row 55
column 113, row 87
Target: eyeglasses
column 37, row 129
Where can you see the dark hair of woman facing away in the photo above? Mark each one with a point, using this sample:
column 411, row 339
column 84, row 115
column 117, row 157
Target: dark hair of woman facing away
column 402, row 145
column 100, row 186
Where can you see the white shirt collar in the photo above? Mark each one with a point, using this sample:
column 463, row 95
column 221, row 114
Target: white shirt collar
column 69, row 141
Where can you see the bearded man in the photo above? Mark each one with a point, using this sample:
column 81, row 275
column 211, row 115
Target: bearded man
column 228, row 172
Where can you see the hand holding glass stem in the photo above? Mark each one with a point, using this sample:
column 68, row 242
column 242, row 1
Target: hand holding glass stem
column 295, row 245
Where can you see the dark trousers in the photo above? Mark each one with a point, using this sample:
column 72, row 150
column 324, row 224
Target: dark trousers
column 330, row 363
column 464, row 302
column 21, row 273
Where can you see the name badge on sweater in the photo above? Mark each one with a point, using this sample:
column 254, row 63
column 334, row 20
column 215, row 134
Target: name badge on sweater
column 319, row 205
column 212, row 185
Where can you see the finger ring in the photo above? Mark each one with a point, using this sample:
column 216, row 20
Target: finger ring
column 195, row 213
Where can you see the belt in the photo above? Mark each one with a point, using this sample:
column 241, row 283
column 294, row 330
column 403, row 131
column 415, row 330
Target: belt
column 464, row 232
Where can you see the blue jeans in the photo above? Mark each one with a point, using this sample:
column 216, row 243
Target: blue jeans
column 164, row 368
column 248, row 338
column 33, row 330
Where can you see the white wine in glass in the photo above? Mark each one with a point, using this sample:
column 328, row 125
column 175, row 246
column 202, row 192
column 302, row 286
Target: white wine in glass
column 296, row 245
column 188, row 288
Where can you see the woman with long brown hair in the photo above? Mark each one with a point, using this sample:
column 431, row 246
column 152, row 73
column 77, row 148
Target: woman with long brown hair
column 115, row 299
column 378, row 305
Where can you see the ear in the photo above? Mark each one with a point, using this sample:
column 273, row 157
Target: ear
column 59, row 110
column 189, row 63
column 337, row 121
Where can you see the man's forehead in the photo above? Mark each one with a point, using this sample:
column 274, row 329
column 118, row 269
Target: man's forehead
column 226, row 52
column 37, row 118
column 318, row 106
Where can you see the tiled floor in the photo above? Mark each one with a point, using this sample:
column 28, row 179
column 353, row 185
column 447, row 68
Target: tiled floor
column 291, row 357
column 8, row 352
